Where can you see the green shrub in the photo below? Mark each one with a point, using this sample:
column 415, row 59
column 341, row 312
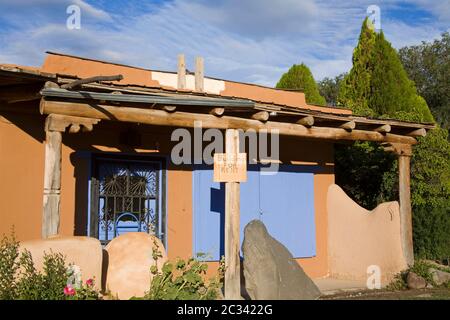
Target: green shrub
column 182, row 280
column 20, row 280
column 9, row 252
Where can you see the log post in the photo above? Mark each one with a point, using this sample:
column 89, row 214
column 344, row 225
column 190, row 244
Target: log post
column 404, row 152
column 52, row 180
column 232, row 226
column 404, row 160
column 55, row 125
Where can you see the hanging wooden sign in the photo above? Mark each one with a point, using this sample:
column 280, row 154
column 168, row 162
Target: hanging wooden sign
column 230, row 167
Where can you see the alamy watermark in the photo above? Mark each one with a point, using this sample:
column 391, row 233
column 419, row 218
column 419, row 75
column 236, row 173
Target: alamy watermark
column 374, row 277
column 374, row 16
column 74, row 19
column 199, row 147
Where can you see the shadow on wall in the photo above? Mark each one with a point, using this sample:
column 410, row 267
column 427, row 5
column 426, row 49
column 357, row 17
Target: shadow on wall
column 359, row 238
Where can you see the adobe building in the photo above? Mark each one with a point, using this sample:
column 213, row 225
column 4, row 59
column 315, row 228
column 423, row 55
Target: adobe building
column 92, row 156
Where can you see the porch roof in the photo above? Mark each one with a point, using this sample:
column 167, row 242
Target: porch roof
column 179, row 107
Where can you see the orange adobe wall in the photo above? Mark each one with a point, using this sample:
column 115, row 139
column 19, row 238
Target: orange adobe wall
column 22, row 167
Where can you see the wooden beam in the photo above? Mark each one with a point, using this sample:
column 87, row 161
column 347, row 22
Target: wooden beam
column 185, row 119
column 218, row 112
column 350, row 125
column 261, row 116
column 232, row 226
column 385, row 128
column 199, row 74
column 418, row 133
column 181, row 84
column 307, row 121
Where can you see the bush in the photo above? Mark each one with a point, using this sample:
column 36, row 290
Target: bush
column 19, row 279
column 182, row 280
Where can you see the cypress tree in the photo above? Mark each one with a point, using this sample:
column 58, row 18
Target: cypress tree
column 355, row 88
column 392, row 94
column 299, row 77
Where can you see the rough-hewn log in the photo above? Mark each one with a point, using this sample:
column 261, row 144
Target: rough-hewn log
column 185, row 119
column 350, row 125
column 52, row 184
column 218, row 112
column 261, row 116
column 418, row 133
column 385, row 128
column 232, row 226
column 77, row 83
column 181, row 74
column 405, row 208
column 307, row 121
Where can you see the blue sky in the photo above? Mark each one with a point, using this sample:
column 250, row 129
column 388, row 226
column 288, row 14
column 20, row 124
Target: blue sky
column 244, row 40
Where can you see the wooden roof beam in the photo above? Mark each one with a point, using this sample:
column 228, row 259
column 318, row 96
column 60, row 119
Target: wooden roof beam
column 307, row 121
column 418, row 133
column 385, row 128
column 186, row 119
column 261, row 116
column 350, row 125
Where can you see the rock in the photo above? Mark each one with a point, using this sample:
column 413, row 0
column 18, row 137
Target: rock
column 83, row 252
column 270, row 270
column 439, row 277
column 414, row 281
column 129, row 261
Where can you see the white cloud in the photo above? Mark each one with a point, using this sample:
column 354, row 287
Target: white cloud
column 251, row 41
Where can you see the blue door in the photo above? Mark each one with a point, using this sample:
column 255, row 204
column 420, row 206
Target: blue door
column 284, row 202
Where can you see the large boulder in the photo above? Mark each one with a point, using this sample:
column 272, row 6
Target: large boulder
column 129, row 260
column 439, row 277
column 414, row 281
column 84, row 252
column 270, row 271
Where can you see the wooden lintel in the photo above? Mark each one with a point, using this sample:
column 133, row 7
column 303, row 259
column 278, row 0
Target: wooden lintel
column 59, row 123
column 385, row 128
column 400, row 149
column 418, row 133
column 350, row 125
column 307, row 121
column 261, row 116
column 218, row 112
column 186, row 119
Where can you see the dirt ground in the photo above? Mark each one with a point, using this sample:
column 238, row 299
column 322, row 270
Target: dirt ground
column 419, row 294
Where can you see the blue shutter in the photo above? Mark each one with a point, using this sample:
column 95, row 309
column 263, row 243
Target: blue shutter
column 284, row 202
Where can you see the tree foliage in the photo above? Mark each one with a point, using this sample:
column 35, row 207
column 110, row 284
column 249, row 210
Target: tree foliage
column 379, row 82
column 299, row 77
column 428, row 65
column 355, row 89
column 329, row 89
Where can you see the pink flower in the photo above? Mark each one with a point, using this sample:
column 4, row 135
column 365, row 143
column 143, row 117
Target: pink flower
column 69, row 290
column 90, row 282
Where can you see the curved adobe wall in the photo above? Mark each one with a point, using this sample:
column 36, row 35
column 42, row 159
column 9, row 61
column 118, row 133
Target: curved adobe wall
column 358, row 238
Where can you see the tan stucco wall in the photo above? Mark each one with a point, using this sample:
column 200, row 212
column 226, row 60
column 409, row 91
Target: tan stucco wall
column 359, row 238
column 22, row 166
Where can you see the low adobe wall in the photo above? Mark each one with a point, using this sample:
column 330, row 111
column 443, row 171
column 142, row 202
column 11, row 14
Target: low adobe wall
column 359, row 238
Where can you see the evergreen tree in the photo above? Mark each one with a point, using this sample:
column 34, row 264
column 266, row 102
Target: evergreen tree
column 392, row 94
column 355, row 88
column 299, row 77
